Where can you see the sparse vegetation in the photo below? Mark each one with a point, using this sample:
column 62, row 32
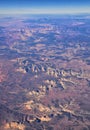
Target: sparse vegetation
column 45, row 74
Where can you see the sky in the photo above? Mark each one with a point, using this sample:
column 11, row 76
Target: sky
column 44, row 6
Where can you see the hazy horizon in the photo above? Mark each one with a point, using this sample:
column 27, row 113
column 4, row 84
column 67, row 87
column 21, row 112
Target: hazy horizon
column 44, row 7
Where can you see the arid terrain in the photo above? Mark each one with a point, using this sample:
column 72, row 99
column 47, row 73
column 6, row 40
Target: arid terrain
column 45, row 73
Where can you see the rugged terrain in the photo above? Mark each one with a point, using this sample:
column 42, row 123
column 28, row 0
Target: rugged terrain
column 45, row 73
